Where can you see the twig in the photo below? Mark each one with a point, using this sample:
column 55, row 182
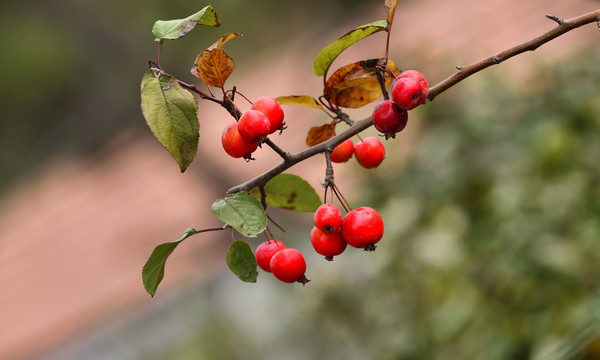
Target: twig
column 466, row 71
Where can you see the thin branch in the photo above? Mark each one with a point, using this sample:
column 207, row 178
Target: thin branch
column 466, row 71
column 284, row 155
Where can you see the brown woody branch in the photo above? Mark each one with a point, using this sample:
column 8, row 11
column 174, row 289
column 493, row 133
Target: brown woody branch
column 466, row 71
column 462, row 73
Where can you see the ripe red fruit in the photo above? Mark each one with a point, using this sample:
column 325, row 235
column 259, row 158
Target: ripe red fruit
column 343, row 152
column 408, row 93
column 362, row 228
column 271, row 108
column 326, row 243
column 328, row 218
column 389, row 118
column 234, row 144
column 369, row 152
column 254, row 125
column 288, row 265
column 265, row 251
column 417, row 76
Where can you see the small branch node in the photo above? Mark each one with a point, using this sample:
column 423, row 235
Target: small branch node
column 495, row 60
column 459, row 68
column 555, row 18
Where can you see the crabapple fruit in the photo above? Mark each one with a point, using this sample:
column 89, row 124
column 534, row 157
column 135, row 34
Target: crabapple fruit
column 415, row 75
column 362, row 228
column 265, row 251
column 254, row 125
column 326, row 243
column 408, row 93
column 288, row 265
column 369, row 152
column 271, row 108
column 234, row 144
column 343, row 152
column 328, row 218
column 389, row 118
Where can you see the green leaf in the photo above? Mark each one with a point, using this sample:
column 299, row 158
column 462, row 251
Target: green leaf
column 291, row 192
column 300, row 100
column 242, row 212
column 171, row 112
column 154, row 269
column 174, row 29
column 241, row 261
column 331, row 51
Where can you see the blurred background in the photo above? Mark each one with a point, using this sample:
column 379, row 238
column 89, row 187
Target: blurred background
column 490, row 196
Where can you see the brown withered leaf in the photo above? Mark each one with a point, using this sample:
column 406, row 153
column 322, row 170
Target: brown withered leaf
column 213, row 67
column 390, row 8
column 356, row 85
column 318, row 134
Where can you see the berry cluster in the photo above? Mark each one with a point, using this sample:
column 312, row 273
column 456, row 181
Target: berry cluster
column 410, row 89
column 286, row 264
column 369, row 152
column 361, row 228
column 241, row 138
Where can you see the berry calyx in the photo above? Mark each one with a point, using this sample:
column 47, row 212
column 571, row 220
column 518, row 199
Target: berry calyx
column 271, row 108
column 408, row 93
column 389, row 118
column 343, row 152
column 265, row 251
column 369, row 152
column 328, row 218
column 415, row 75
column 254, row 125
column 326, row 243
column 234, row 144
column 288, row 265
column 362, row 228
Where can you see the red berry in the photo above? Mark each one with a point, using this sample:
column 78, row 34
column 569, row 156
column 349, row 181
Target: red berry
column 369, row 152
column 343, row 152
column 326, row 243
column 389, row 118
column 254, row 125
column 408, row 93
column 362, row 228
column 265, row 251
column 234, row 144
column 417, row 76
column 288, row 265
column 328, row 218
column 271, row 108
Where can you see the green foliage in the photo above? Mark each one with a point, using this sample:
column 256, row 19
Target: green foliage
column 291, row 192
column 175, row 29
column 331, row 51
column 242, row 262
column 242, row 212
column 154, row 269
column 171, row 112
